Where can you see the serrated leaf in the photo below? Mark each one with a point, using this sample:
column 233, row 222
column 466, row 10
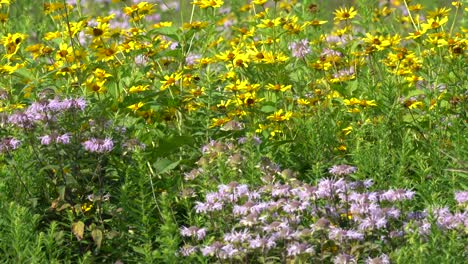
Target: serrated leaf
column 97, row 237
column 78, row 229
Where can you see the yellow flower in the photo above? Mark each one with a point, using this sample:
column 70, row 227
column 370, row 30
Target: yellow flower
column 170, row 80
column 101, row 74
column 138, row 88
column 136, row 106
column 268, row 23
column 8, row 69
column 96, row 85
column 344, row 14
column 438, row 13
column 259, row 2
column 4, row 2
column 139, row 11
column 208, row 3
column 278, row 87
column 347, row 130
column 218, row 122
column 315, row 23
column 238, row 86
column 52, row 35
column 107, row 54
column 64, row 53
column 457, row 4
column 433, row 23
column 278, row 116
column 12, row 43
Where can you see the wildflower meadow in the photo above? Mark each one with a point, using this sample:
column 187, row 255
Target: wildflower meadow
column 211, row 131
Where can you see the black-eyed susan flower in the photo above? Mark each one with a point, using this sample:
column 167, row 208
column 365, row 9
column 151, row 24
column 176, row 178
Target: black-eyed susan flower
column 170, row 80
column 344, row 14
column 434, row 23
column 278, row 87
column 138, row 88
column 12, row 42
column 279, row 116
column 136, row 106
column 107, row 53
column 208, row 3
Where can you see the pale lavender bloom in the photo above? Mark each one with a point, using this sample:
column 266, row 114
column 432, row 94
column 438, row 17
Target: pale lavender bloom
column 21, row 120
column 417, row 215
column 354, row 235
column 280, row 190
column 212, row 249
column 327, row 188
column 8, row 144
column 257, row 140
column 341, row 170
column 63, row 139
column 174, row 45
column 382, row 259
column 98, row 145
column 326, row 52
column 249, row 220
column 263, row 243
column 296, row 248
column 337, row 234
column 201, row 207
column 375, row 220
column 300, row 49
column 344, row 259
column 191, row 59
column 242, row 190
column 238, row 210
column 237, row 236
column 228, row 251
column 187, row 250
column 424, row 227
column 397, row 195
column 46, row 140
column 344, row 73
column 461, row 197
column 392, row 212
column 193, row 231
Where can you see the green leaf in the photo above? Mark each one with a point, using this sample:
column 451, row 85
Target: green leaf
column 165, row 165
column 268, row 109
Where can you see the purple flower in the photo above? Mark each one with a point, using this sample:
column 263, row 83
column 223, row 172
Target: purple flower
column 295, row 249
column 344, row 259
column 461, row 197
column 22, row 120
column 193, row 231
column 263, row 243
column 212, row 249
column 382, row 259
column 8, row 144
column 191, row 59
column 63, row 139
column 187, row 250
column 300, row 49
column 375, row 220
column 98, row 145
column 341, row 170
column 397, row 195
column 45, row 140
column 237, row 236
